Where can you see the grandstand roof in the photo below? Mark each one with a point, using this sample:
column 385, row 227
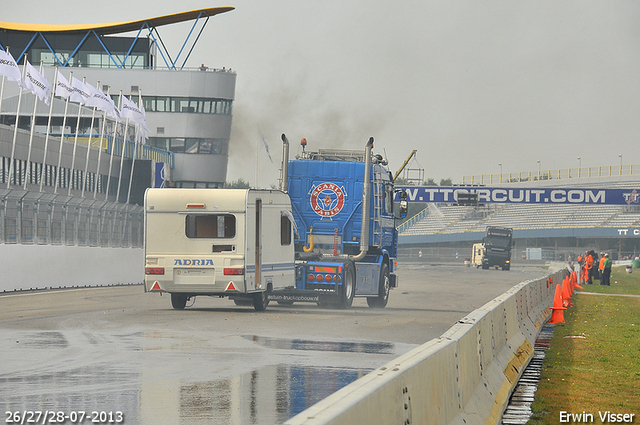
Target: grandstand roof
column 114, row 27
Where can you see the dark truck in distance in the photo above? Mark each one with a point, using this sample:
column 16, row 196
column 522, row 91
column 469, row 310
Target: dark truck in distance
column 497, row 242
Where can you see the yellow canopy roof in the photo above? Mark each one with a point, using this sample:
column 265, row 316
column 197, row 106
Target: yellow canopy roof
column 114, row 27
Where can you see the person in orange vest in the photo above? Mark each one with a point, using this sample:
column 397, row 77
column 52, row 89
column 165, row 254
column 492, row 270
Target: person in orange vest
column 589, row 266
column 601, row 266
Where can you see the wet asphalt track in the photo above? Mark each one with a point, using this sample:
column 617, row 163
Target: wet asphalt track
column 108, row 350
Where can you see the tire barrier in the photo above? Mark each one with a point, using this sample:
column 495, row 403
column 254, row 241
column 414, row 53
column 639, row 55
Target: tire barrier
column 464, row 377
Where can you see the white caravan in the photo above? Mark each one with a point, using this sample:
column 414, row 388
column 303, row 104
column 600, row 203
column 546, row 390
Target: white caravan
column 220, row 242
column 478, row 255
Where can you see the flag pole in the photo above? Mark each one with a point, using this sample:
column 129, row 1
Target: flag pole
column 133, row 161
column 257, row 155
column 113, row 143
column 124, row 142
column 135, row 150
column 75, row 142
column 86, row 162
column 104, row 123
column 33, row 127
column 15, row 130
column 46, row 138
column 2, row 94
column 2, row 88
column 64, row 125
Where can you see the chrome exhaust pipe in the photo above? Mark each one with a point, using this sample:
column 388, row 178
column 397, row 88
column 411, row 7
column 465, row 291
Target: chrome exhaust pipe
column 284, row 184
column 366, row 196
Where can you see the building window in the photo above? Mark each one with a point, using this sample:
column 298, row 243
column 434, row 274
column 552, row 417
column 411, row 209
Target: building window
column 191, row 145
column 187, row 105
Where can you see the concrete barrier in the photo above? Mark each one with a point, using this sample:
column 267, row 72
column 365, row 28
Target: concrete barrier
column 30, row 267
column 465, row 377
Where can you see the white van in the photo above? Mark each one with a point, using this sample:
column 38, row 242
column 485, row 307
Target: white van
column 220, row 242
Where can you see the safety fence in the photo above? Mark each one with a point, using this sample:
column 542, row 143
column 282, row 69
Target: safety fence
column 465, row 377
column 40, row 218
column 555, row 174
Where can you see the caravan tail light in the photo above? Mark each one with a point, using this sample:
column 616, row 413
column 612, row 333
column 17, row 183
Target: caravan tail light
column 311, row 277
column 154, row 270
column 328, row 278
column 235, row 271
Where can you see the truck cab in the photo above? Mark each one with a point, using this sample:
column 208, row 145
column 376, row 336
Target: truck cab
column 342, row 203
column 497, row 243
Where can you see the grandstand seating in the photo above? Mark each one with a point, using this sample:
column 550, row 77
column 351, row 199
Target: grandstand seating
column 447, row 218
column 460, row 219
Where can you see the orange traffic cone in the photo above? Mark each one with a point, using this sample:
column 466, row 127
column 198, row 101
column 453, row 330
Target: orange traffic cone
column 566, row 293
column 557, row 316
column 569, row 283
column 576, row 285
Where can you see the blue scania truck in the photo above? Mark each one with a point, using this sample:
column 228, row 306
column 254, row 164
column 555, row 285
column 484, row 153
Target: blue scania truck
column 346, row 242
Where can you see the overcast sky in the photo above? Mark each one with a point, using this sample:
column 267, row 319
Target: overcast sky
column 469, row 84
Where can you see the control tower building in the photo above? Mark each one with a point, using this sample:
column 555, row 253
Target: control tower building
column 188, row 109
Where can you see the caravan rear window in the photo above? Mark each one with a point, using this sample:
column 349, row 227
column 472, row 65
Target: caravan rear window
column 221, row 226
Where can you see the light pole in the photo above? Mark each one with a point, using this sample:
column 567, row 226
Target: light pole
column 538, row 169
column 500, row 164
column 579, row 165
column 620, row 156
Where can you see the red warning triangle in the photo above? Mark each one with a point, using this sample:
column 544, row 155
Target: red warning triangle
column 231, row 287
column 155, row 286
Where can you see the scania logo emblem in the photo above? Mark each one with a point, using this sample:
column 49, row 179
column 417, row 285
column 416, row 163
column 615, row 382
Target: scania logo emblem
column 327, row 199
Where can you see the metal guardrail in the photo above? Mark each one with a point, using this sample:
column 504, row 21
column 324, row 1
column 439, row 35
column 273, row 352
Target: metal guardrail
column 39, row 218
column 557, row 174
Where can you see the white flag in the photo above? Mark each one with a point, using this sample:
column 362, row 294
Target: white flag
column 101, row 101
column 9, row 68
column 63, row 88
column 144, row 130
column 37, row 83
column 130, row 110
column 80, row 91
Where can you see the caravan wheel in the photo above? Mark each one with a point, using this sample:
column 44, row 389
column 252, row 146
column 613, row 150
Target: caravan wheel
column 178, row 301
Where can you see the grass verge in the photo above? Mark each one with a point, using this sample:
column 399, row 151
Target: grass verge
column 593, row 363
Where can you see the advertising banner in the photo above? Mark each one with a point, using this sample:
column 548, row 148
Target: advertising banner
column 529, row 195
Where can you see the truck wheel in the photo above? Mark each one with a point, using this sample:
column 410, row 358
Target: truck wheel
column 348, row 286
column 383, row 289
column 261, row 300
column 178, row 301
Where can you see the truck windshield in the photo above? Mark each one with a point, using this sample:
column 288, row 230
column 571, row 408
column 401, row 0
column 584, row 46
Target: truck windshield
column 497, row 241
column 210, row 226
